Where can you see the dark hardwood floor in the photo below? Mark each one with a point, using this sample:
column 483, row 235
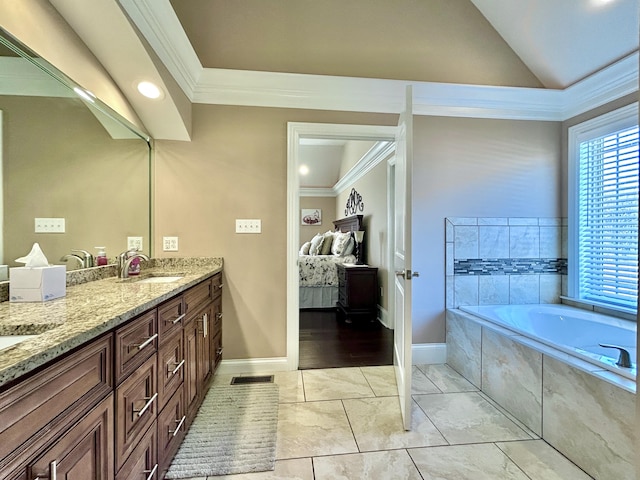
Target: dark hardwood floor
column 328, row 342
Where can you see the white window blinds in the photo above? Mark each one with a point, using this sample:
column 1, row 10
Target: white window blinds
column 608, row 218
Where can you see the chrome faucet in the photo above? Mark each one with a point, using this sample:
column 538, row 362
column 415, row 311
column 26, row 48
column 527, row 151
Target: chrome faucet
column 70, row 256
column 624, row 360
column 124, row 261
column 88, row 258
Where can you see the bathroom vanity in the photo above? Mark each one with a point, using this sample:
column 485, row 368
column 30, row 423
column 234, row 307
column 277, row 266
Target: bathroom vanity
column 113, row 376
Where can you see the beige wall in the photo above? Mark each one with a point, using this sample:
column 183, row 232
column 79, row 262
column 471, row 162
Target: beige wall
column 352, row 153
column 58, row 161
column 236, row 167
column 373, row 188
column 474, row 168
column 328, row 207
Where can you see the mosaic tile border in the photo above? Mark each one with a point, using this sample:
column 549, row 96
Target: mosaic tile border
column 510, row 266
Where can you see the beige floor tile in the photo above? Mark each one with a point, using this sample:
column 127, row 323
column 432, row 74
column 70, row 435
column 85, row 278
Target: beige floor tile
column 224, row 379
column 382, row 380
column 290, row 387
column 468, row 418
column 335, row 384
column 388, row 465
column 313, row 428
column 377, row 425
column 540, row 461
column 296, row 469
column 446, row 378
column 420, row 383
column 465, row 462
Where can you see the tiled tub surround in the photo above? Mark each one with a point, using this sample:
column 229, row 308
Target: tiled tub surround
column 88, row 310
column 585, row 412
column 491, row 261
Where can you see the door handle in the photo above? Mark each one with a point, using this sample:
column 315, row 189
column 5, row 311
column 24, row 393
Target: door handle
column 407, row 275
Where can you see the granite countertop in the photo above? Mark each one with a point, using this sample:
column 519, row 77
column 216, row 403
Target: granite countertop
column 88, row 310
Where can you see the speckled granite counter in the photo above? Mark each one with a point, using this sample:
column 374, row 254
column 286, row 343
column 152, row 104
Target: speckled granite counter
column 88, row 310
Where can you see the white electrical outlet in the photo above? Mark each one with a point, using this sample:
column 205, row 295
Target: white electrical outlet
column 170, row 244
column 134, row 243
column 49, row 225
column 248, row 226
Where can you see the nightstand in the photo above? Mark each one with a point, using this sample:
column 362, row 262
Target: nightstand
column 357, row 292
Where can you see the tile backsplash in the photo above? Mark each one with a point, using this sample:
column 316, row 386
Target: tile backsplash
column 502, row 260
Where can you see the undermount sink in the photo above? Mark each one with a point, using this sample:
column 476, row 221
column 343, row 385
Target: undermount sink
column 159, row 279
column 7, row 341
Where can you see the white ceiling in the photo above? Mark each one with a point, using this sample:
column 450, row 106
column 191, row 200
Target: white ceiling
column 564, row 41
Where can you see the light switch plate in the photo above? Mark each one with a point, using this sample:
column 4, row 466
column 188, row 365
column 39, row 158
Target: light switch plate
column 49, row 225
column 134, row 243
column 170, row 244
column 248, row 225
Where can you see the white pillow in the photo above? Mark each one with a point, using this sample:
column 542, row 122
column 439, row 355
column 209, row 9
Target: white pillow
column 316, row 244
column 340, row 243
column 304, row 249
column 350, row 247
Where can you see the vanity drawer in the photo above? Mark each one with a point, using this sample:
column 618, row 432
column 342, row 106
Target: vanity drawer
column 197, row 296
column 170, row 317
column 135, row 342
column 136, row 408
column 171, row 365
column 143, row 460
column 216, row 285
column 171, row 429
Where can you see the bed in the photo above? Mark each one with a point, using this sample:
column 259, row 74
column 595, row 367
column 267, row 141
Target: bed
column 319, row 273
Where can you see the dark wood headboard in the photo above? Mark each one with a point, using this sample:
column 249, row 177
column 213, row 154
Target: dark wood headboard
column 349, row 224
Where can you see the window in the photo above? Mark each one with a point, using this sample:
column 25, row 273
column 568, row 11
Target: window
column 603, row 262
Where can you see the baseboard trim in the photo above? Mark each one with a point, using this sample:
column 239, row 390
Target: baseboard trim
column 383, row 317
column 254, row 366
column 429, row 353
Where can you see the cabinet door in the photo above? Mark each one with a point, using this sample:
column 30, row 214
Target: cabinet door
column 136, row 408
column 191, row 371
column 216, row 334
column 84, row 452
column 171, row 429
column 205, row 322
column 171, row 315
column 171, row 362
column 143, row 462
column 135, row 342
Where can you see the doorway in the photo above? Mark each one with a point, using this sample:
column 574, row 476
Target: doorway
column 315, row 320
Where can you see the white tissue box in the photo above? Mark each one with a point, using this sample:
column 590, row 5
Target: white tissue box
column 37, row 284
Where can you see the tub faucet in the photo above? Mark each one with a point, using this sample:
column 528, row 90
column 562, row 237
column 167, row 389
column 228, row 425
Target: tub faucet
column 624, row 360
column 124, row 262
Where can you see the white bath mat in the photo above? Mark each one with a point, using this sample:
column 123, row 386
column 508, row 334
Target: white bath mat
column 233, row 432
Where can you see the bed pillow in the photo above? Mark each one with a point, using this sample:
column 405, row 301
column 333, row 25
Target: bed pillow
column 304, row 250
column 327, row 243
column 316, row 244
column 340, row 242
column 350, row 247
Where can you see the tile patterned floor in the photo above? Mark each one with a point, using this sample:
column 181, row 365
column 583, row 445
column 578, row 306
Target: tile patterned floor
column 345, row 424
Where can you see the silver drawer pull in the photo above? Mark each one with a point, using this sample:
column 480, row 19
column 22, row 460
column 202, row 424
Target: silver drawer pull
column 219, row 287
column 53, row 473
column 205, row 327
column 146, row 405
column 151, row 472
column 180, row 422
column 219, row 351
column 148, row 341
column 178, row 367
column 219, row 315
column 180, row 317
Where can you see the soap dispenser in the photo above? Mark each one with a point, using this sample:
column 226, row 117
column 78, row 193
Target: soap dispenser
column 134, row 266
column 101, row 258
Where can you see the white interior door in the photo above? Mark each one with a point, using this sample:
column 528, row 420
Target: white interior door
column 402, row 259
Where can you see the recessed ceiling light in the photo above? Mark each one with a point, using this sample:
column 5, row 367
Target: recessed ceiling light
column 303, row 170
column 150, row 90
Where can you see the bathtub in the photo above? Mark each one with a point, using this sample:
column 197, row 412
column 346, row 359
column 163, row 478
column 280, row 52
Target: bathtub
column 571, row 330
column 542, row 365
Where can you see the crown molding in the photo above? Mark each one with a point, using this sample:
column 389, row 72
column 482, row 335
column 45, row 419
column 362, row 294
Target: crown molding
column 376, row 154
column 158, row 23
column 317, row 192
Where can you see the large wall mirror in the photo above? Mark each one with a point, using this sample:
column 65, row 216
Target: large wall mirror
column 66, row 155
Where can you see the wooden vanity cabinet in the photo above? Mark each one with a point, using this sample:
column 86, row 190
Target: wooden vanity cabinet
column 143, row 461
column 49, row 416
column 198, row 358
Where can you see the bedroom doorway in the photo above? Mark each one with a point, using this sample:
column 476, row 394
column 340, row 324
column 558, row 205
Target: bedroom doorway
column 314, row 338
